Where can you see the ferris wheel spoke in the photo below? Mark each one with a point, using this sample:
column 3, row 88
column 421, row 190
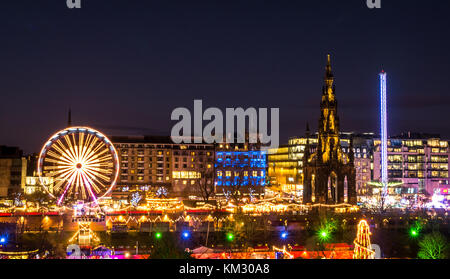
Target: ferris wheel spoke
column 100, row 159
column 59, row 159
column 97, row 174
column 70, row 149
column 80, row 185
column 97, row 178
column 97, row 156
column 90, row 147
column 57, row 156
column 61, row 172
column 56, row 162
column 67, row 146
column 85, row 147
column 59, row 146
column 100, row 145
column 105, row 167
column 96, row 185
column 68, row 185
column 99, row 171
column 88, row 186
column 57, row 169
column 94, row 151
column 75, row 146
column 61, row 178
column 80, row 145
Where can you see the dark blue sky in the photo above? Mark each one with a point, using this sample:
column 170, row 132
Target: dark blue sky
column 124, row 65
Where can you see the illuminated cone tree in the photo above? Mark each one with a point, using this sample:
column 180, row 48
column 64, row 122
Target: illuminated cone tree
column 363, row 249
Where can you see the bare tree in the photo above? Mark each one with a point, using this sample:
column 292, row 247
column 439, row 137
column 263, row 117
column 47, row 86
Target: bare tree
column 205, row 185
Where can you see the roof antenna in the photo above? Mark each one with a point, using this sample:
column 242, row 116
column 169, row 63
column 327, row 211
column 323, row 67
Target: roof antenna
column 69, row 121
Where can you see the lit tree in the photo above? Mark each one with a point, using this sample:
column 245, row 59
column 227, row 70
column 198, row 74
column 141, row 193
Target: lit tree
column 380, row 203
column 363, row 249
column 433, row 246
column 324, row 230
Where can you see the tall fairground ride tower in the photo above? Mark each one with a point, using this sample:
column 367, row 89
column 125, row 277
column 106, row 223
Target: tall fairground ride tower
column 383, row 120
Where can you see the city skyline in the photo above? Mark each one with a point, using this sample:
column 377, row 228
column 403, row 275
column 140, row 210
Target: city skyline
column 224, row 130
column 126, row 76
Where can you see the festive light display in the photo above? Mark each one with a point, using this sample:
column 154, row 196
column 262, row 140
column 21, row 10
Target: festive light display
column 383, row 116
column 363, row 247
column 82, row 162
column 158, row 235
column 135, row 199
column 324, row 235
column 162, row 192
column 186, row 235
column 230, row 237
column 415, row 229
column 84, row 234
column 284, row 251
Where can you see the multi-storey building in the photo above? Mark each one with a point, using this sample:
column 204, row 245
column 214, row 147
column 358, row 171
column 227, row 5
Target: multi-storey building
column 240, row 168
column 12, row 170
column 285, row 164
column 282, row 171
column 363, row 157
column 155, row 162
column 420, row 161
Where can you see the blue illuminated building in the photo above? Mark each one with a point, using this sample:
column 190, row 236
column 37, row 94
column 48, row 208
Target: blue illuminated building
column 241, row 170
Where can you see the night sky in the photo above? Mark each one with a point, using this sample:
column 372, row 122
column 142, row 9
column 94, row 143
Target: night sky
column 124, row 65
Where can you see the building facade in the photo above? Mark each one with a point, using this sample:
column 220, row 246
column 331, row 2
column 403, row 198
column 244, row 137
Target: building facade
column 12, row 171
column 285, row 163
column 156, row 163
column 420, row 161
column 240, row 170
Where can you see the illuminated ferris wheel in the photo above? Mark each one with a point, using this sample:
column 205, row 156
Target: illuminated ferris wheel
column 83, row 164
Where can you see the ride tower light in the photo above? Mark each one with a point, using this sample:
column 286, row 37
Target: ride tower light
column 383, row 116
